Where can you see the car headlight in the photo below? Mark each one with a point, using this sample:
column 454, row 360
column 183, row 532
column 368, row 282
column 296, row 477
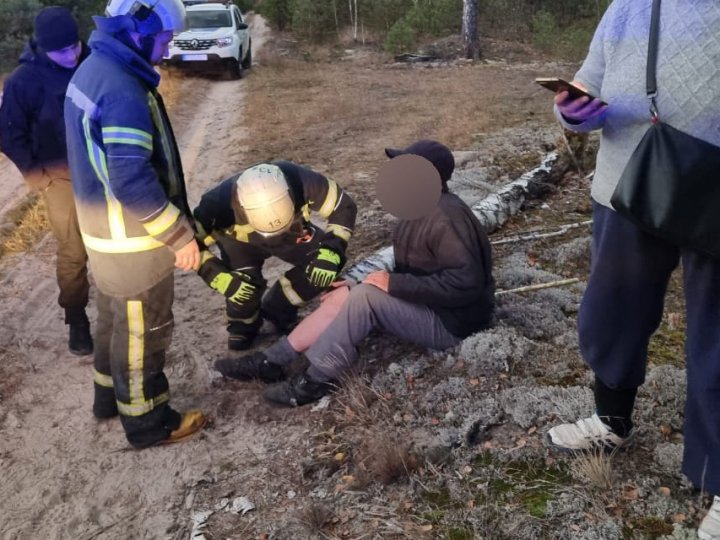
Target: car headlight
column 224, row 41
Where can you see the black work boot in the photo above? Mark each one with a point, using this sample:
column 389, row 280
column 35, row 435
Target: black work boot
column 252, row 366
column 80, row 341
column 241, row 335
column 298, row 391
column 105, row 405
column 240, row 342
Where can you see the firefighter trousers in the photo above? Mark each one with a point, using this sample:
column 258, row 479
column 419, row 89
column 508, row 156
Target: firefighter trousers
column 131, row 337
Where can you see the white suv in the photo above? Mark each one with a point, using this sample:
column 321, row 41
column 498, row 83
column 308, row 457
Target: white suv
column 217, row 38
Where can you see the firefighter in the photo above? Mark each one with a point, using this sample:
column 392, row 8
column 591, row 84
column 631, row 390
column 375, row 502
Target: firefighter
column 265, row 212
column 133, row 214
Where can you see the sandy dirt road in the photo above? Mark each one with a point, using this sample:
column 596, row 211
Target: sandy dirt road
column 65, row 475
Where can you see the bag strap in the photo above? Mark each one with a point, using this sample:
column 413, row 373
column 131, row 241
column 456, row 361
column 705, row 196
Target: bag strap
column 650, row 78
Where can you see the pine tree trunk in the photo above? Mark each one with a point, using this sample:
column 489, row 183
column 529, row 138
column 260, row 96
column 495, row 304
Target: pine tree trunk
column 471, row 41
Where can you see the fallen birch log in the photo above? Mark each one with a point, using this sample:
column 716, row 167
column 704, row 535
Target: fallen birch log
column 540, row 234
column 493, row 211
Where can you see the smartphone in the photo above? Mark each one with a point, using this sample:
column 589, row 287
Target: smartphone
column 556, row 85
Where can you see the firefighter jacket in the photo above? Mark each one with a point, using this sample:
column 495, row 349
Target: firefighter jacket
column 219, row 213
column 32, row 124
column 443, row 261
column 127, row 177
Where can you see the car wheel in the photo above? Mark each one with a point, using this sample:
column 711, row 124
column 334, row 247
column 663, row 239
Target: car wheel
column 247, row 62
column 234, row 70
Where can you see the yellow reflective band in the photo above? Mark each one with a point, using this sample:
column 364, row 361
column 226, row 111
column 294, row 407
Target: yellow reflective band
column 290, row 293
column 242, row 232
column 99, row 165
column 330, row 201
column 135, row 244
column 246, row 321
column 125, row 135
column 164, row 221
column 138, row 409
column 102, row 380
column 136, row 351
column 339, row 231
column 221, row 282
column 306, row 212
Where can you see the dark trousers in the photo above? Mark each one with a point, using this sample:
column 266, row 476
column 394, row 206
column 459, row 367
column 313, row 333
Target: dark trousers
column 71, row 256
column 291, row 291
column 623, row 306
column 131, row 337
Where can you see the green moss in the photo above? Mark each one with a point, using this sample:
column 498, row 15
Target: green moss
column 459, row 534
column 646, row 528
column 433, row 516
column 483, row 459
column 440, row 498
column 667, row 346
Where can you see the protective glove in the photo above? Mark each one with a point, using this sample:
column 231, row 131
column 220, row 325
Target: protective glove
column 580, row 110
column 323, row 270
column 236, row 286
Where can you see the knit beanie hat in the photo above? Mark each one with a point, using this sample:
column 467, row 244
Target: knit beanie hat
column 55, row 28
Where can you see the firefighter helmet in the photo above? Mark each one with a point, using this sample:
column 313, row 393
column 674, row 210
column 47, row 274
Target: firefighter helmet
column 264, row 195
column 150, row 16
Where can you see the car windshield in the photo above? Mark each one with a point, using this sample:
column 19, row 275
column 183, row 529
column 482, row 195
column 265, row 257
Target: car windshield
column 209, row 19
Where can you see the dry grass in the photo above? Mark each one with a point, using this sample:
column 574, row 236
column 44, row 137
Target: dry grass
column 315, row 517
column 385, row 456
column 358, row 403
column 594, row 467
column 28, row 224
column 337, row 116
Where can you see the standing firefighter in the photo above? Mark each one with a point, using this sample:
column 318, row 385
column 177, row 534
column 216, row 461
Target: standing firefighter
column 32, row 130
column 133, row 213
column 265, row 212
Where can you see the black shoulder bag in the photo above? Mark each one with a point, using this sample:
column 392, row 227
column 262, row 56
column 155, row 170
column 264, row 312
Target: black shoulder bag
column 671, row 185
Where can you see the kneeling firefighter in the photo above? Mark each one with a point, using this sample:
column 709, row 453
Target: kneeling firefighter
column 265, row 212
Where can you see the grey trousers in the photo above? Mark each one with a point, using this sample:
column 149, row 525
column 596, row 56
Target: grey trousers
column 366, row 309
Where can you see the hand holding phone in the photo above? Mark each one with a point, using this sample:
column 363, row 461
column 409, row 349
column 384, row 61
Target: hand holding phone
column 576, row 104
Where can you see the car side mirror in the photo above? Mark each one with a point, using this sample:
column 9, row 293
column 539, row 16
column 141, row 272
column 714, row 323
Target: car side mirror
column 242, row 26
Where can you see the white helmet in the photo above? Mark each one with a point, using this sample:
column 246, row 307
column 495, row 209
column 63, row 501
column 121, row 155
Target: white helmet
column 171, row 14
column 264, row 195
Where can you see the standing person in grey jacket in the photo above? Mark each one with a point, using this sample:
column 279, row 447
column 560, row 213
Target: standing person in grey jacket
column 623, row 302
column 32, row 132
column 440, row 291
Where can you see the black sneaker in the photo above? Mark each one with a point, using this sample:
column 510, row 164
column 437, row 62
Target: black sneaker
column 298, row 391
column 80, row 341
column 252, row 366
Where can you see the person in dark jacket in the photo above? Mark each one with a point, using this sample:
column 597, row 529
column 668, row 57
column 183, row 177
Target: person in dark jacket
column 440, row 291
column 32, row 135
column 264, row 212
column 133, row 213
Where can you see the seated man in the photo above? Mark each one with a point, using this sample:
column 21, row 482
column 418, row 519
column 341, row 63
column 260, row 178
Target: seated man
column 264, row 212
column 441, row 291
